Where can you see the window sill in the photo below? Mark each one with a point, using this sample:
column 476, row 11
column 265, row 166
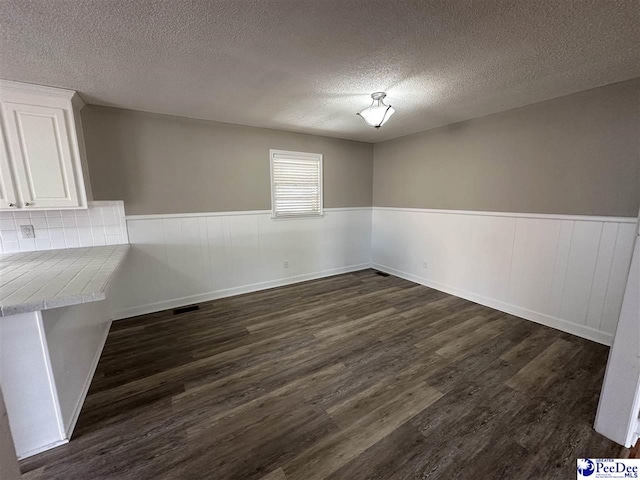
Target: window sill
column 300, row 217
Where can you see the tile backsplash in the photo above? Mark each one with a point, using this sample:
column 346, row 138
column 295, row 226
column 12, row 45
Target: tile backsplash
column 102, row 223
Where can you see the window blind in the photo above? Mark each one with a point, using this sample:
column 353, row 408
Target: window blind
column 296, row 184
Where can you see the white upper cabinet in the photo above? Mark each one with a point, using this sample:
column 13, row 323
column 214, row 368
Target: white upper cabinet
column 41, row 163
column 42, row 157
column 8, row 197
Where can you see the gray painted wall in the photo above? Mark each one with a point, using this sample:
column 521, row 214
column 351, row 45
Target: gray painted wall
column 165, row 164
column 578, row 154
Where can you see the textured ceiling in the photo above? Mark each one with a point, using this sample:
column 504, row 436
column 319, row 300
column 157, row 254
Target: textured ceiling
column 309, row 65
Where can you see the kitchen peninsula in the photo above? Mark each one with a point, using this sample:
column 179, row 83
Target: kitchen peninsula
column 55, row 319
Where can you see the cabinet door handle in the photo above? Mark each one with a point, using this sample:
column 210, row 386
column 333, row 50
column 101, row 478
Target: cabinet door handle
column 27, row 204
column 12, row 204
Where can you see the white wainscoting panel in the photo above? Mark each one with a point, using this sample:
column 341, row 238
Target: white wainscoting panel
column 568, row 272
column 180, row 259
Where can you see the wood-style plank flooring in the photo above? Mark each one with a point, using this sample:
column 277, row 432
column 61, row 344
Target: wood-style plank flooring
column 351, row 377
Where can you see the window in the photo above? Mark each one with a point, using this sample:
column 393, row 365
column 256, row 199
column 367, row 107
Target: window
column 296, row 184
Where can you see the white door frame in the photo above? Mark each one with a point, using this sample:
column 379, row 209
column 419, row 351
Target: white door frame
column 619, row 407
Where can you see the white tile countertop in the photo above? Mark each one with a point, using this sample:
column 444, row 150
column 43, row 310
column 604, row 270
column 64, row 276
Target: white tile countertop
column 32, row 281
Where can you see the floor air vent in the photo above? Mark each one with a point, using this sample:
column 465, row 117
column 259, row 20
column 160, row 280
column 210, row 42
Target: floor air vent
column 382, row 274
column 188, row 308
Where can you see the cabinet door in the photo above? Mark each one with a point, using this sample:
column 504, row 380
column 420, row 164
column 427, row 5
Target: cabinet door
column 42, row 155
column 8, row 199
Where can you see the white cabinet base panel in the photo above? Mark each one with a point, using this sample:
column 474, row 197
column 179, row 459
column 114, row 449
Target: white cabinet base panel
column 28, row 385
column 47, row 361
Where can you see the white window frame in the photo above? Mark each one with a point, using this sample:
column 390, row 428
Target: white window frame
column 306, row 155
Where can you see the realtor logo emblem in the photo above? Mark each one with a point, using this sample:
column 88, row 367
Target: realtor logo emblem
column 586, row 467
column 590, row 469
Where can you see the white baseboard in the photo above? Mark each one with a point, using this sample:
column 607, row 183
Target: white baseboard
column 85, row 388
column 230, row 292
column 554, row 322
column 550, row 321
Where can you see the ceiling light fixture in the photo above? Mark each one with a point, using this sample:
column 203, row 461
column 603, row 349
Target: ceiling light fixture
column 377, row 113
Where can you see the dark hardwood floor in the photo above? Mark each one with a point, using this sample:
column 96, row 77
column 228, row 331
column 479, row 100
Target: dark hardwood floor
column 352, row 377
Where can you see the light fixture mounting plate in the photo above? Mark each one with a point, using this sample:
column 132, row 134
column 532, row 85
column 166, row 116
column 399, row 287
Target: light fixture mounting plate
column 378, row 95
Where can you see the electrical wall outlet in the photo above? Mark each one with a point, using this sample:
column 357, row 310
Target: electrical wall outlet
column 286, row 264
column 27, row 231
column 424, row 264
